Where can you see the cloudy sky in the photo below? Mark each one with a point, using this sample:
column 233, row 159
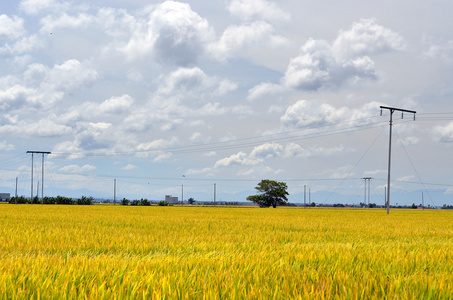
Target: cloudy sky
column 164, row 94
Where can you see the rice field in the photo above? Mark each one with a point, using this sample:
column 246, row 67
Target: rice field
column 125, row 252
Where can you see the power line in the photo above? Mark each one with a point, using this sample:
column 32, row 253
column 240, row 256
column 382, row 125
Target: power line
column 415, row 170
column 252, row 141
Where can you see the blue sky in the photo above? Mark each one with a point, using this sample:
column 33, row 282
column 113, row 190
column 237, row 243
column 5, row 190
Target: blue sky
column 160, row 94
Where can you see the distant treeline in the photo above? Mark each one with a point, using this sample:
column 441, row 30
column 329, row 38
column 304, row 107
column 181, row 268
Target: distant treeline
column 52, row 200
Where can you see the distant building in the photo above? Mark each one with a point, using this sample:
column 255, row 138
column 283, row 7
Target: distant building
column 171, row 200
column 5, row 196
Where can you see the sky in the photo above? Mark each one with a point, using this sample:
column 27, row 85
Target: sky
column 142, row 99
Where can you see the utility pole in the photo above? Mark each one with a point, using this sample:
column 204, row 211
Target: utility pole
column 15, row 199
column 42, row 166
column 423, row 203
column 214, row 193
column 114, row 191
column 305, row 196
column 392, row 110
column 369, row 184
column 182, row 194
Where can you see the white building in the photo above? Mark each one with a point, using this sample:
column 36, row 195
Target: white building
column 4, row 196
column 171, row 200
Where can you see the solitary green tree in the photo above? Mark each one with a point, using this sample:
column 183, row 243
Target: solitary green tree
column 271, row 193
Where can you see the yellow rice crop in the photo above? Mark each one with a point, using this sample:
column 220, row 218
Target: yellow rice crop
column 118, row 252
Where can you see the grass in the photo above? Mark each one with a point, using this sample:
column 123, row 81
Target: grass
column 119, row 252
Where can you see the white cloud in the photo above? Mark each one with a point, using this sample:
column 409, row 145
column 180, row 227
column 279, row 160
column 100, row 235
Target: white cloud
column 346, row 61
column 77, row 168
column 117, row 105
column 236, row 40
column 4, row 146
column 174, row 33
column 193, row 82
column 159, row 144
column 129, row 167
column 61, row 79
column 50, row 23
column 265, row 89
column 184, row 80
column 23, row 45
column 240, row 158
column 444, row 133
column 33, row 7
column 11, row 28
column 366, row 37
column 309, row 114
column 266, row 151
column 439, row 49
column 406, row 178
column 41, row 128
column 257, row 9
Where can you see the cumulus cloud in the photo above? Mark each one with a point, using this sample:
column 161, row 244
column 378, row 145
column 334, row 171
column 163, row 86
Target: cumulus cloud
column 184, row 80
column 41, row 128
column 116, row 105
column 264, row 89
column 41, row 86
column 174, row 33
column 129, row 167
column 157, row 149
column 257, row 9
column 240, row 158
column 11, row 28
column 193, row 82
column 267, row 150
column 261, row 153
column 33, row 7
column 366, row 37
column 310, row 114
column 439, row 49
column 77, row 168
column 51, row 22
column 324, row 65
column 236, row 39
column 23, row 45
column 4, row 146
column 444, row 133
column 51, row 84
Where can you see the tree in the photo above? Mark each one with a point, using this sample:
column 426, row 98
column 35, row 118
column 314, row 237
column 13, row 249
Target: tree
column 272, row 193
column 191, row 200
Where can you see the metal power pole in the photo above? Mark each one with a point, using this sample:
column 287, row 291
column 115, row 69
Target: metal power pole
column 31, row 190
column 42, row 166
column 392, row 110
column 15, row 199
column 305, row 196
column 215, row 192
column 369, row 184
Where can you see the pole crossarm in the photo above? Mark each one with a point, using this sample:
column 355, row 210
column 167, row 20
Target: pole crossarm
column 40, row 152
column 392, row 109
